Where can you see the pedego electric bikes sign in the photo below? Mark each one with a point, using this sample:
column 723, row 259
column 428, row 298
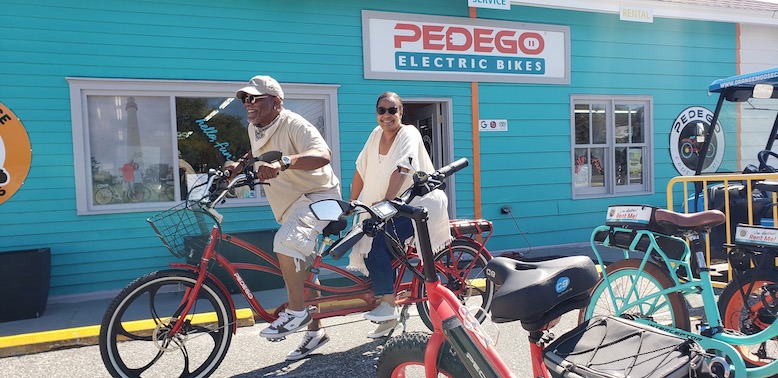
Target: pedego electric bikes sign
column 687, row 137
column 15, row 153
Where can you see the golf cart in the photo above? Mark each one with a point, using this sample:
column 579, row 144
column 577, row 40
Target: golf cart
column 748, row 108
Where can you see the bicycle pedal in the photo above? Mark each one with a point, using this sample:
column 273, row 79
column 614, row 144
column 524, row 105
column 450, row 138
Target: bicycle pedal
column 276, row 339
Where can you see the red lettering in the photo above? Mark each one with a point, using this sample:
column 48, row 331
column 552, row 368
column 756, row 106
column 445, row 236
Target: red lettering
column 433, row 34
column 399, row 39
column 505, row 43
column 482, row 40
column 531, row 43
column 451, row 37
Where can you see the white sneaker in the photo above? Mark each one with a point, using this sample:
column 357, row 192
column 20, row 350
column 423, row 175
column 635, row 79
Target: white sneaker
column 385, row 329
column 384, row 312
column 285, row 324
column 311, row 342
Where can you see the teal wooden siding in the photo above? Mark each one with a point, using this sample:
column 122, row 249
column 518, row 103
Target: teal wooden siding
column 321, row 42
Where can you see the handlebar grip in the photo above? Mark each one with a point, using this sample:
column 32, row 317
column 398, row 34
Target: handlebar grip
column 453, row 168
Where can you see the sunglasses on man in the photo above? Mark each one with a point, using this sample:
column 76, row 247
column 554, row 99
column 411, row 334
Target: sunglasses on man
column 392, row 110
column 252, row 99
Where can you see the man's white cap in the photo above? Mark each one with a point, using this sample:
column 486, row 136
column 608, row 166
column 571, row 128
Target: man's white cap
column 260, row 85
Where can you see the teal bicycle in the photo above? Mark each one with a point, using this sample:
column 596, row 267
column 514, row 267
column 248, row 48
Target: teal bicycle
column 651, row 289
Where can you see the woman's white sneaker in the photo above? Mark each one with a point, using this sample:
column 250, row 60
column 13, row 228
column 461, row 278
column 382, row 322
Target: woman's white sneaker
column 385, row 329
column 383, row 313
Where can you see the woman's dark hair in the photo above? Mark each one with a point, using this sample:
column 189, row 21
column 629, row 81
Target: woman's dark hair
column 387, row 95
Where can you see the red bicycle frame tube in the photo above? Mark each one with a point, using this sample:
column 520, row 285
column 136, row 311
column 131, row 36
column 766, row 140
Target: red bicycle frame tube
column 445, row 305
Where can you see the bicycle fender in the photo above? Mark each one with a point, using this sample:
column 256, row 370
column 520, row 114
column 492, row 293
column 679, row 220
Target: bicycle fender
column 219, row 285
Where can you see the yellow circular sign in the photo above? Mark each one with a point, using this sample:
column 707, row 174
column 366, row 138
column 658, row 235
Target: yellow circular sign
column 15, row 153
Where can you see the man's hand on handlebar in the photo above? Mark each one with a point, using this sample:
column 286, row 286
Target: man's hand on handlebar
column 267, row 171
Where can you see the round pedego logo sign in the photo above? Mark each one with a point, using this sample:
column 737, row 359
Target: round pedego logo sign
column 688, row 135
column 15, row 153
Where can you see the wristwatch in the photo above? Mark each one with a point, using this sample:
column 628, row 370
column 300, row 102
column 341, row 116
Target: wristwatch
column 286, row 161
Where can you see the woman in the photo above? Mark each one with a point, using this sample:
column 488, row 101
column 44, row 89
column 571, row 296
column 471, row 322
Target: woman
column 392, row 153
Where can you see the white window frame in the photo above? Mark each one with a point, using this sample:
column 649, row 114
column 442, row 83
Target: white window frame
column 610, row 188
column 81, row 87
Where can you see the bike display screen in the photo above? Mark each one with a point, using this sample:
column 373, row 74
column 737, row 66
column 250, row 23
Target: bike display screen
column 383, row 209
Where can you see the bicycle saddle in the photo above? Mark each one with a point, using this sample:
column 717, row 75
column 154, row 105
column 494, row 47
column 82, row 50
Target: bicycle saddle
column 537, row 292
column 677, row 223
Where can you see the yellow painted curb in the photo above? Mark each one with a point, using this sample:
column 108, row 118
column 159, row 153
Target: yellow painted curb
column 81, row 336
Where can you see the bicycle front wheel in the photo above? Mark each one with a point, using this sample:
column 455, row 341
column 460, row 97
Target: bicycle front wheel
column 103, row 196
column 403, row 356
column 628, row 285
column 462, row 269
column 135, row 334
column 749, row 315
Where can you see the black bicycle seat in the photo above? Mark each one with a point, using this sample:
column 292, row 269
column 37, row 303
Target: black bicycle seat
column 537, row 292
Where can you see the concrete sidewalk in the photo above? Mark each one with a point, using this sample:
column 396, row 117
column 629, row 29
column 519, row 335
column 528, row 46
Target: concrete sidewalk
column 74, row 323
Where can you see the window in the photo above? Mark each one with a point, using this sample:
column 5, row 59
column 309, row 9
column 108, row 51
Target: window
column 140, row 144
column 611, row 151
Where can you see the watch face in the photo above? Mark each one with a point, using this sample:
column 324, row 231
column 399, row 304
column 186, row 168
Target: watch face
column 286, row 160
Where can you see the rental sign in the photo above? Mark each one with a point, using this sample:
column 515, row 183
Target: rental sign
column 421, row 47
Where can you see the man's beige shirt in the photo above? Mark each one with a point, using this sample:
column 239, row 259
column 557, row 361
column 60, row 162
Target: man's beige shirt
column 293, row 134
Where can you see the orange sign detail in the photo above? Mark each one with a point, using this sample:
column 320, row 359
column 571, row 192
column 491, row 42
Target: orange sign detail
column 15, row 153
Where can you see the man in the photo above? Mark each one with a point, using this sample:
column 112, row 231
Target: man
column 302, row 176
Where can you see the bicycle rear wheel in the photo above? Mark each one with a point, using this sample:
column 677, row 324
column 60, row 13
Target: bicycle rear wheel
column 462, row 269
column 135, row 338
column 629, row 284
column 749, row 315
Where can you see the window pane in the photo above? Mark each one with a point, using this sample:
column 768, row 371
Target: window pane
column 129, row 141
column 582, row 124
column 621, row 166
column 311, row 110
column 581, row 179
column 622, row 123
column 211, row 131
column 597, row 167
column 598, row 124
column 637, row 116
column 635, row 165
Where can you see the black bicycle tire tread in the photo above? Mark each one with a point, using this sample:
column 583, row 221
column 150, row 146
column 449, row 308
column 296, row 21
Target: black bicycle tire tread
column 731, row 289
column 410, row 347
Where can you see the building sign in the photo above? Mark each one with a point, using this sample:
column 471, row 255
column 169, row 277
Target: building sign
column 492, row 125
column 15, row 153
column 630, row 13
column 398, row 46
column 687, row 137
column 493, row 4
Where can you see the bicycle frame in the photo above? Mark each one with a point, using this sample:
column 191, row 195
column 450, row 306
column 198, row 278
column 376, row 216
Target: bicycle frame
column 717, row 339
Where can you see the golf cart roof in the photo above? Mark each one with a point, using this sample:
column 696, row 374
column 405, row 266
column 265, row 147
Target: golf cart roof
column 740, row 88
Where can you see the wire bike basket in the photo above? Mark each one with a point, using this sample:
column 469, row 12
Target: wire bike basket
column 179, row 225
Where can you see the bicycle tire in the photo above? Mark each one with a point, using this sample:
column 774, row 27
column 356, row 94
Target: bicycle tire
column 670, row 309
column 462, row 282
column 131, row 348
column 103, row 196
column 404, row 356
column 749, row 319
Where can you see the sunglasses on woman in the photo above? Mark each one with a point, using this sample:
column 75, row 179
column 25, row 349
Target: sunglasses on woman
column 382, row 110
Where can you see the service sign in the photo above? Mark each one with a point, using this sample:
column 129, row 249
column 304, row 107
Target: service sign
column 399, row 46
column 15, row 153
column 485, row 125
column 637, row 214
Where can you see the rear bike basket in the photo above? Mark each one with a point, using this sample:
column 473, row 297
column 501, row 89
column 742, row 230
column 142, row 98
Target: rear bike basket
column 182, row 225
column 615, row 348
